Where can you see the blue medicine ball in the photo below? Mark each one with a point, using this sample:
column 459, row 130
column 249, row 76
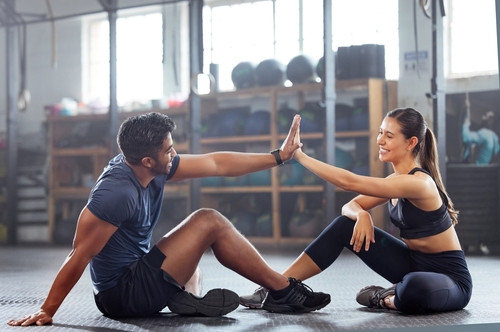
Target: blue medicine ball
column 258, row 123
column 284, row 118
column 231, row 122
column 313, row 118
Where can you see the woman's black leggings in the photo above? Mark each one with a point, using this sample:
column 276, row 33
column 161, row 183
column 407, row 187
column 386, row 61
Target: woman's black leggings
column 425, row 282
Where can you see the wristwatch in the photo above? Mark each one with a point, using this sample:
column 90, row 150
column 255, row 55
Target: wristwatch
column 276, row 154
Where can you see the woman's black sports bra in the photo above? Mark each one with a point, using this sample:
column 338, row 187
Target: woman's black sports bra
column 415, row 223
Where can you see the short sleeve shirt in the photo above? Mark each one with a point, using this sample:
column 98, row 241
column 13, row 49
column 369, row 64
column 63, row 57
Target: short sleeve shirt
column 119, row 198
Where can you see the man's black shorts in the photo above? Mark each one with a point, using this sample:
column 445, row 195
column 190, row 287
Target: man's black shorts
column 143, row 290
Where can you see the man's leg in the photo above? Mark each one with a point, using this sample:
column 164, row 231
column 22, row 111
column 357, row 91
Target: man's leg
column 204, row 228
column 184, row 246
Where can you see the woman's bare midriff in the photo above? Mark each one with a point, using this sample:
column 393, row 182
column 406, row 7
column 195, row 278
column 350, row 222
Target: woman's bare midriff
column 445, row 241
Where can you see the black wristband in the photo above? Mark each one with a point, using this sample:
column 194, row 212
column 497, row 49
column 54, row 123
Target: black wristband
column 276, row 154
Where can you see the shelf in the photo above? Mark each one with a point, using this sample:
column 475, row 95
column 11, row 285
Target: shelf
column 181, row 147
column 71, row 192
column 99, row 117
column 95, row 151
column 176, row 190
column 236, row 139
column 285, row 241
column 236, row 190
column 354, row 84
column 77, row 118
column 180, row 110
column 260, row 189
column 267, row 138
column 301, row 189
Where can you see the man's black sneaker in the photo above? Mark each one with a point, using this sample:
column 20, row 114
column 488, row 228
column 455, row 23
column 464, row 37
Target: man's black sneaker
column 373, row 296
column 217, row 302
column 300, row 299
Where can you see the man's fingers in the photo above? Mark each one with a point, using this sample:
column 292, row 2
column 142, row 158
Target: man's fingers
column 30, row 320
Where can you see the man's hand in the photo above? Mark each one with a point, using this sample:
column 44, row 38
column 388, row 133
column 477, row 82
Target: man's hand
column 39, row 318
column 292, row 141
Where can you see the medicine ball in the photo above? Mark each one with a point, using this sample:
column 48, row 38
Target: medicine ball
column 211, row 181
column 291, row 174
column 270, row 72
column 244, row 222
column 312, row 118
column 320, row 67
column 305, row 224
column 343, row 158
column 235, row 181
column 300, row 70
column 264, row 225
column 231, row 122
column 243, row 75
column 261, row 178
column 258, row 123
column 210, row 126
column 343, row 117
column 284, row 118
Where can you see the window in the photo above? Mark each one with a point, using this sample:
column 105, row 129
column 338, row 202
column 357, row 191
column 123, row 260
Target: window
column 470, row 30
column 139, row 60
column 252, row 31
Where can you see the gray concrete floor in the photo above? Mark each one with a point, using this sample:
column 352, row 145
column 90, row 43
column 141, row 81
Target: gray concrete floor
column 26, row 275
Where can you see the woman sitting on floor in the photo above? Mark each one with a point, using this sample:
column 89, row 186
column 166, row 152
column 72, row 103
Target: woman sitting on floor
column 426, row 266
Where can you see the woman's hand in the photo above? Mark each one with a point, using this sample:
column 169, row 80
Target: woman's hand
column 296, row 137
column 39, row 318
column 363, row 232
column 292, row 141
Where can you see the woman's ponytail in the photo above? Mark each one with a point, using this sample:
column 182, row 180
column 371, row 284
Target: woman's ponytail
column 428, row 158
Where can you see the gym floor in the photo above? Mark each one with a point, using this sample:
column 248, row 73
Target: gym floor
column 27, row 273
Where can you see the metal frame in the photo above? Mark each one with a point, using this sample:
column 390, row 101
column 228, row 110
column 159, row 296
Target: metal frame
column 330, row 99
column 12, row 121
column 438, row 83
column 7, row 9
column 497, row 10
column 196, row 67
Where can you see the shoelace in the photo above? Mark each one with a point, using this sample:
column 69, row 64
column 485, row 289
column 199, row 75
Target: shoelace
column 303, row 288
column 380, row 295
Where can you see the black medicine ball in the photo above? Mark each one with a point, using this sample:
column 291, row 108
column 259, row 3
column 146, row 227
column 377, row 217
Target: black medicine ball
column 320, row 68
column 243, row 75
column 270, row 72
column 300, row 70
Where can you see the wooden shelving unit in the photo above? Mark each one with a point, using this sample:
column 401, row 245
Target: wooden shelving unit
column 226, row 196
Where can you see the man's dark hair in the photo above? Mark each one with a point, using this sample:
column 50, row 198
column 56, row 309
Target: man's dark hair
column 143, row 135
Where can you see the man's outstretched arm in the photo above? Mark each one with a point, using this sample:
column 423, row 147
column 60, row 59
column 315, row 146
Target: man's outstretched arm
column 91, row 235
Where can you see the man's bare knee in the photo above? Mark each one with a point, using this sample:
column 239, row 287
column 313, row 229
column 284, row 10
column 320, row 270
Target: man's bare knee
column 209, row 218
